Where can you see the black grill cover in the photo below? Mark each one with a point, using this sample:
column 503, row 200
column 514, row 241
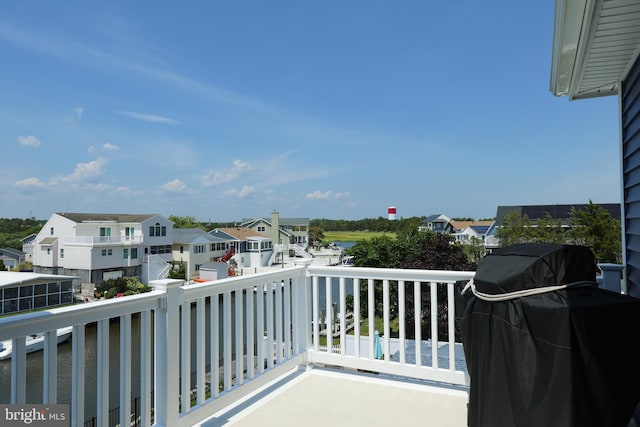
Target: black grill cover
column 565, row 358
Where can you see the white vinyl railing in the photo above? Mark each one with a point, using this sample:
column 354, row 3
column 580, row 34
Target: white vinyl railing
column 103, row 240
column 204, row 346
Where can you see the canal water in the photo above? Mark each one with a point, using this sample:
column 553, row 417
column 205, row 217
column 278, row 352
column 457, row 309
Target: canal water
column 35, row 360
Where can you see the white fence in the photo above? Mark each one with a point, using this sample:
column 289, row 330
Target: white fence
column 204, row 346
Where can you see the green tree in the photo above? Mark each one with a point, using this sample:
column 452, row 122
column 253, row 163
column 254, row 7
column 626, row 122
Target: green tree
column 515, row 229
column 184, row 222
column 2, row 266
column 316, row 235
column 122, row 285
column 179, row 273
column 594, row 227
column 547, row 230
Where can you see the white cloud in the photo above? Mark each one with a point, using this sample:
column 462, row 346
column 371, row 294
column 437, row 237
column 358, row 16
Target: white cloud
column 79, row 111
column 242, row 193
column 317, row 195
column 83, row 173
column 174, row 186
column 148, row 117
column 216, row 178
column 30, row 182
column 29, row 141
column 110, row 147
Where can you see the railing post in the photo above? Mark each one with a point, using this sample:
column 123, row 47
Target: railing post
column 167, row 353
column 303, row 307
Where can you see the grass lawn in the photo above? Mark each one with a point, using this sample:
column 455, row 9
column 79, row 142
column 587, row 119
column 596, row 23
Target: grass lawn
column 353, row 236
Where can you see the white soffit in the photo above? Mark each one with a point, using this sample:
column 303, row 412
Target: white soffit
column 595, row 44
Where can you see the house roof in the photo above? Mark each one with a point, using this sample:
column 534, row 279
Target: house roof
column 97, row 217
column 241, row 233
column 562, row 212
column 594, row 45
column 8, row 278
column 282, row 221
column 29, row 237
column 461, row 225
column 188, row 235
column 12, row 251
column 48, row 240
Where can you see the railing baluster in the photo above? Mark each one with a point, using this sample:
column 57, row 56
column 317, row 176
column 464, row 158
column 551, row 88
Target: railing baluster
column 329, row 313
column 417, row 314
column 103, row 371
column 343, row 318
column 125, row 370
column 270, row 319
column 385, row 323
column 434, row 324
column 185, row 360
column 278, row 320
column 451, row 311
column 239, row 351
column 200, row 351
column 356, row 317
column 50, row 366
column 287, row 318
column 19, row 371
column 145, row 368
column 316, row 314
column 215, row 344
column 226, row 336
column 372, row 313
column 262, row 353
column 77, row 376
column 250, row 334
column 401, row 317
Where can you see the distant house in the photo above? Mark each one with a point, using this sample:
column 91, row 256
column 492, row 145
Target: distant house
column 11, row 257
column 539, row 212
column 467, row 232
column 98, row 247
column 27, row 246
column 252, row 249
column 281, row 230
column 437, row 223
column 195, row 247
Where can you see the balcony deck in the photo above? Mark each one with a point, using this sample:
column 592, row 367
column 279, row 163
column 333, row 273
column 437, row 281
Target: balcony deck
column 322, row 396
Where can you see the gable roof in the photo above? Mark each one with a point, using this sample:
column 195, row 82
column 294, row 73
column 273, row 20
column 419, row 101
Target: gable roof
column 241, row 233
column 476, row 225
column 97, row 217
column 594, row 45
column 188, row 235
column 12, row 251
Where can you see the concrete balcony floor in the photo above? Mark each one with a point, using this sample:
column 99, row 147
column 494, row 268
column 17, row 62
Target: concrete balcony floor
column 330, row 397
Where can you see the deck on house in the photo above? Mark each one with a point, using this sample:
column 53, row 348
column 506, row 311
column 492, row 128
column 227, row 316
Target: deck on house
column 324, row 396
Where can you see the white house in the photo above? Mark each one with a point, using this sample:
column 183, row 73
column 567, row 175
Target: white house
column 27, row 246
column 437, row 223
column 195, row 247
column 98, row 247
column 252, row 249
column 285, row 231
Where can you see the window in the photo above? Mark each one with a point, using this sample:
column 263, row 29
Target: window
column 125, row 253
column 198, row 267
column 104, row 252
column 61, row 253
column 181, row 249
column 199, row 249
column 105, row 231
column 51, row 230
column 134, row 253
column 164, row 230
column 152, row 231
column 48, row 251
column 128, row 233
column 157, row 230
column 107, row 252
column 261, row 229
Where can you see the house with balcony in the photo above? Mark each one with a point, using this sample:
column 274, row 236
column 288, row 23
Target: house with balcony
column 98, row 247
column 251, row 248
column 287, row 231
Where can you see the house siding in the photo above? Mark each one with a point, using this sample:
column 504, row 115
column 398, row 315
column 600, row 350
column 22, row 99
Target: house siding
column 630, row 121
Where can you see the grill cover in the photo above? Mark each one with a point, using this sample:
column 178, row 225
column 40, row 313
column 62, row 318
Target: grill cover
column 564, row 358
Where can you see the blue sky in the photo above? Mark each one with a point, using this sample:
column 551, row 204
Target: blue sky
column 336, row 109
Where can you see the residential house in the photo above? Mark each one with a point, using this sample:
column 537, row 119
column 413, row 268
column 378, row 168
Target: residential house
column 252, row 249
column 437, row 223
column 11, row 257
column 195, row 247
column 294, row 231
column 534, row 213
column 468, row 232
column 579, row 70
column 98, row 247
column 27, row 246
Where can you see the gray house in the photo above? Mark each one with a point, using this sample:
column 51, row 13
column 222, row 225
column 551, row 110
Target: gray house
column 596, row 48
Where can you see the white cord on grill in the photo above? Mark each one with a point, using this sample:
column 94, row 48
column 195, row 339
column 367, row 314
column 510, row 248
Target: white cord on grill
column 516, row 294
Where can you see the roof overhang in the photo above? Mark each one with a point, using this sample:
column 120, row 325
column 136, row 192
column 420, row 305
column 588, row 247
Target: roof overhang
column 595, row 43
